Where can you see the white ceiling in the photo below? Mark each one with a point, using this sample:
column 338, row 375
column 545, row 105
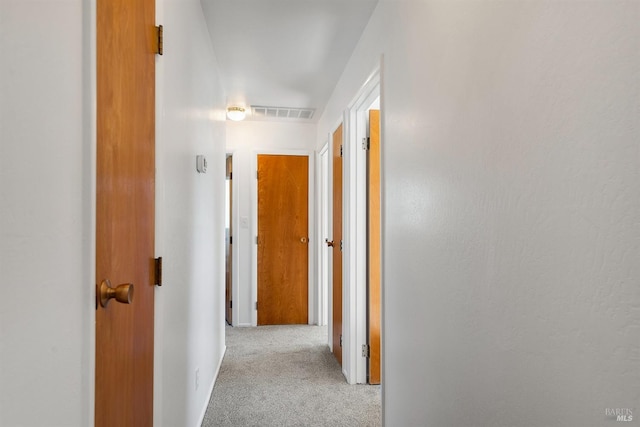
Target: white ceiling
column 284, row 53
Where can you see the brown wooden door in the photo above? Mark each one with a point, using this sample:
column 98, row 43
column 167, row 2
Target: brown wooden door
column 125, row 210
column 229, row 243
column 283, row 239
column 337, row 244
column 374, row 235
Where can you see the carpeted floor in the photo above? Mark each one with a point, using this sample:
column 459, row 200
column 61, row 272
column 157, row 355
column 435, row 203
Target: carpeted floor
column 286, row 376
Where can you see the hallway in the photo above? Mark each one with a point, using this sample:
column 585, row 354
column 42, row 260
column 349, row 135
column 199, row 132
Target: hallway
column 286, row 376
column 509, row 196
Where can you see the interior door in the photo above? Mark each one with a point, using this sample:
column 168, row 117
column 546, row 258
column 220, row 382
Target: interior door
column 374, row 236
column 229, row 244
column 337, row 244
column 283, row 239
column 126, row 41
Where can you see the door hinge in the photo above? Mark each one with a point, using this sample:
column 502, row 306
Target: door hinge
column 256, row 305
column 257, row 174
column 230, row 303
column 231, row 240
column 340, row 340
column 160, row 40
column 231, row 175
column 340, row 245
column 366, row 143
column 365, row 351
column 256, row 240
column 158, row 271
column 341, row 151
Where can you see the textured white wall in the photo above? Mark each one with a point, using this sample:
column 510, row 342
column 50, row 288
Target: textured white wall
column 245, row 140
column 47, row 214
column 511, row 204
column 190, row 304
column 46, row 251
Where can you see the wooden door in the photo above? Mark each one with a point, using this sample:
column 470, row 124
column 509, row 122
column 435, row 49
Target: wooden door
column 125, row 184
column 283, row 239
column 374, row 236
column 337, row 244
column 229, row 244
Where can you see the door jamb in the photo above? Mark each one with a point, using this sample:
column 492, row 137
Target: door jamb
column 235, row 251
column 322, row 232
column 355, row 329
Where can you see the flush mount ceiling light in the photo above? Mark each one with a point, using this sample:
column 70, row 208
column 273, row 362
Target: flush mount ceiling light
column 236, row 113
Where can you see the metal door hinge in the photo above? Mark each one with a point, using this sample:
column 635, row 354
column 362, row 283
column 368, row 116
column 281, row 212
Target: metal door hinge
column 160, row 40
column 231, row 240
column 341, row 245
column 158, row 271
column 257, row 174
column 256, row 305
column 365, row 351
column 341, row 151
column 366, row 143
column 340, row 340
column 230, row 303
column 256, row 240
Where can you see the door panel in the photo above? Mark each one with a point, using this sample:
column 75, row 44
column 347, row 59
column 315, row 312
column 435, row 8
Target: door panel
column 337, row 244
column 125, row 210
column 374, row 235
column 283, row 242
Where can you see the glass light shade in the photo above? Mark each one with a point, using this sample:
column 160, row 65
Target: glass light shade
column 236, row 113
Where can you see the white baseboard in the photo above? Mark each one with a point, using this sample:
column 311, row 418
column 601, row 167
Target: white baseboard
column 213, row 383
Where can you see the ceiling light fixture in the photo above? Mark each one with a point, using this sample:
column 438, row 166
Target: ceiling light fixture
column 236, row 113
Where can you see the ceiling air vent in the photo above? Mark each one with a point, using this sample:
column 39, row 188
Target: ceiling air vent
column 282, row 112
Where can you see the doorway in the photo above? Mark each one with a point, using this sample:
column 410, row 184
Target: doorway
column 283, row 239
column 228, row 252
column 359, row 317
column 368, row 257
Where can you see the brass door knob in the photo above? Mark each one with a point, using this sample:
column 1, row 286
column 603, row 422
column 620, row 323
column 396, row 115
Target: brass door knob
column 303, row 240
column 121, row 293
column 329, row 243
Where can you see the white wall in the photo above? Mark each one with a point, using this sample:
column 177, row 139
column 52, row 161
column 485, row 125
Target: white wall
column 47, row 169
column 190, row 304
column 47, row 310
column 245, row 140
column 511, row 203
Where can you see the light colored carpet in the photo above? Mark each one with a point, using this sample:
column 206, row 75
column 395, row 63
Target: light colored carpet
column 286, row 376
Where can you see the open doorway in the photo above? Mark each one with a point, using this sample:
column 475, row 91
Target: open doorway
column 228, row 233
column 362, row 258
column 358, row 246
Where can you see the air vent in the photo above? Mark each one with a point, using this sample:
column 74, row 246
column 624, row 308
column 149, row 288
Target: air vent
column 282, row 112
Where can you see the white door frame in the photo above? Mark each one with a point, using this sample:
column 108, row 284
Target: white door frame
column 322, row 233
column 254, row 230
column 355, row 231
